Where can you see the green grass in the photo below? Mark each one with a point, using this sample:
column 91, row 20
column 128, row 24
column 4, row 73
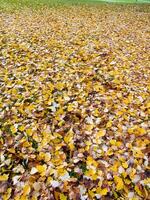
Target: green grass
column 19, row 4
column 126, row 1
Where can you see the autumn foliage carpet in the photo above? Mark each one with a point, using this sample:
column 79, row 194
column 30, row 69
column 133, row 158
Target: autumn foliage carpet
column 74, row 104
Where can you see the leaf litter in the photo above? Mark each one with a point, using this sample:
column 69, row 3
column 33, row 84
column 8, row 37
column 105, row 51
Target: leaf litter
column 74, row 103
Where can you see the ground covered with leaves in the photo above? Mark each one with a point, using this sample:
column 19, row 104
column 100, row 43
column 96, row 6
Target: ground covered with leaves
column 74, row 104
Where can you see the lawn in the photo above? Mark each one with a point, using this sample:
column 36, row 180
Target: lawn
column 74, row 100
column 11, row 4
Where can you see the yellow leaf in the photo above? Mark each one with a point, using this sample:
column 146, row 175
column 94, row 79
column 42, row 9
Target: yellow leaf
column 8, row 194
column 14, row 91
column 26, row 144
column 34, row 198
column 41, row 169
column 4, row 177
column 63, row 197
column 89, row 127
column 70, row 107
column 116, row 81
column 138, row 153
column 91, row 173
column 11, row 150
column 23, row 197
column 109, row 124
column 26, row 190
column 138, row 191
column 113, row 142
column 60, row 111
column 91, row 193
column 29, row 131
column 127, row 181
column 71, row 145
column 51, row 87
column 114, row 168
column 98, row 87
column 69, row 136
column 103, row 192
column 124, row 174
column 91, row 161
column 147, row 181
column 126, row 101
column 130, row 130
column 101, row 133
column 59, row 86
column 140, row 131
column 118, row 143
column 119, row 113
column 110, row 152
column 148, row 105
column 125, row 165
column 13, row 129
column 21, row 128
column 132, row 173
column 119, row 183
column 98, row 190
column 31, row 107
